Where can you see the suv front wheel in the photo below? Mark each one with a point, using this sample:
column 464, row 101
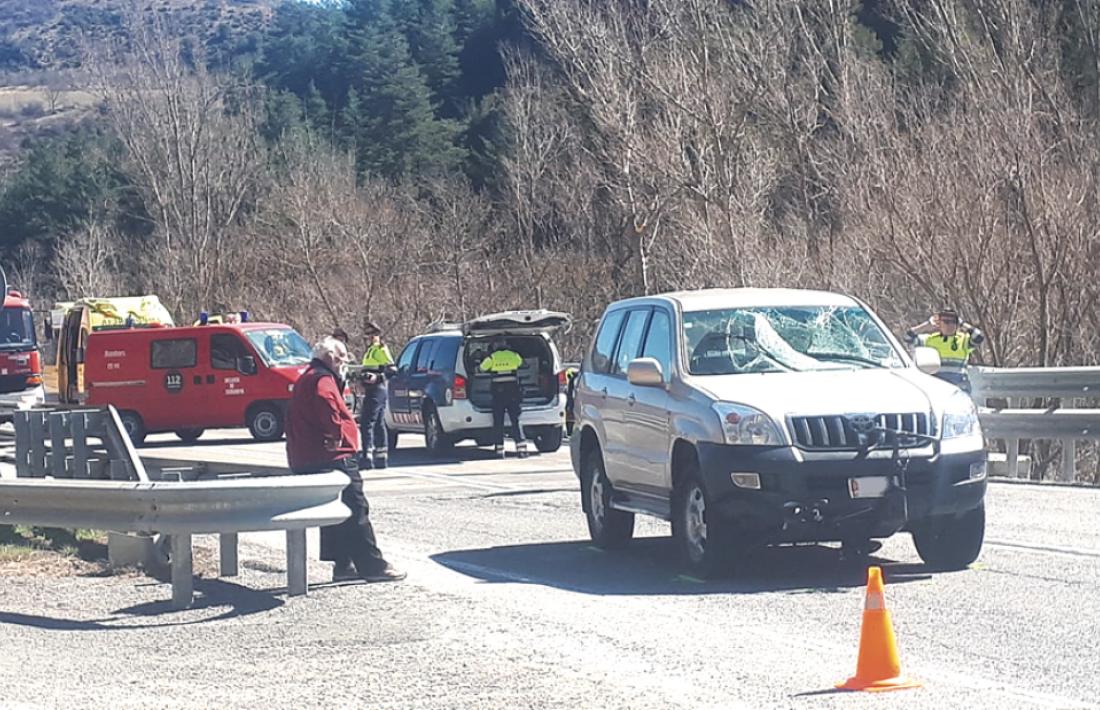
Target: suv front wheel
column 704, row 540
column 608, row 528
column 951, row 543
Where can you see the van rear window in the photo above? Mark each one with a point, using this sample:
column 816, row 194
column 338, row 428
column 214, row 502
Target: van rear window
column 174, row 354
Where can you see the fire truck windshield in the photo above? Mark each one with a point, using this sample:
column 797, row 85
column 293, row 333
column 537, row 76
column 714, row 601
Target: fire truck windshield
column 17, row 329
column 280, row 347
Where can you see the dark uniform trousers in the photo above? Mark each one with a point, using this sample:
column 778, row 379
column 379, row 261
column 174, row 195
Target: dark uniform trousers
column 507, row 399
column 353, row 540
column 372, row 420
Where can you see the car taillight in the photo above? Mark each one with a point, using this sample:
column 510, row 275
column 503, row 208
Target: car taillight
column 459, row 387
column 563, row 379
column 34, row 380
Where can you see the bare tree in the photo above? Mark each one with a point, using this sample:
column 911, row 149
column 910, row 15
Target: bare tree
column 192, row 148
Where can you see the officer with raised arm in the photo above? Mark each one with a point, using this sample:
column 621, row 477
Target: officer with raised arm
column 953, row 339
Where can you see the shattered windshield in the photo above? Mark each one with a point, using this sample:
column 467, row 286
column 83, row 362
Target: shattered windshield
column 280, row 347
column 785, row 339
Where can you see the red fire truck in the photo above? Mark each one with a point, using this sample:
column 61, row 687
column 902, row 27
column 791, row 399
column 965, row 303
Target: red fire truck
column 190, row 379
column 20, row 362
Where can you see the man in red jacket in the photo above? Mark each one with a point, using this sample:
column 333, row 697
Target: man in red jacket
column 321, row 435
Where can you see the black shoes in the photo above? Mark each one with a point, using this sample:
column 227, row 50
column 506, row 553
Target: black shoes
column 347, row 573
column 387, row 574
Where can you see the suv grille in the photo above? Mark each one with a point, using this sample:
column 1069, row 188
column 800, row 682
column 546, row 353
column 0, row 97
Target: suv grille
column 835, row 431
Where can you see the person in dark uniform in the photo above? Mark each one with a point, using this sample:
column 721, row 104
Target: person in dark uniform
column 503, row 364
column 321, row 436
column 372, row 421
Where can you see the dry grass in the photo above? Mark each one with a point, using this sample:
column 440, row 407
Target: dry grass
column 51, row 552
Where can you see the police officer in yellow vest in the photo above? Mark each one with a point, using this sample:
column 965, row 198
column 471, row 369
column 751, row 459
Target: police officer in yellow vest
column 503, row 365
column 372, row 421
column 953, row 340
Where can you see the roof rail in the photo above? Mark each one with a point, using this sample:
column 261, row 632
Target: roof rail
column 443, row 324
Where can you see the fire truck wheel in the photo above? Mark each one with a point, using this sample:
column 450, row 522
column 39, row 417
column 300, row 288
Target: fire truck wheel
column 135, row 428
column 265, row 423
column 189, row 436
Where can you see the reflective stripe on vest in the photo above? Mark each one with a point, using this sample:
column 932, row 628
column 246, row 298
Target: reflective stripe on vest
column 502, row 364
column 954, row 350
column 377, row 356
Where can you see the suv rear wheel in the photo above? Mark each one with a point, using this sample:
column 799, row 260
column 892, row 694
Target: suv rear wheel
column 608, row 528
column 548, row 439
column 705, row 541
column 951, row 543
column 435, row 438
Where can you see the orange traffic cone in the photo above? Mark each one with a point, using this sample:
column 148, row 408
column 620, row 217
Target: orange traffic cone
column 878, row 667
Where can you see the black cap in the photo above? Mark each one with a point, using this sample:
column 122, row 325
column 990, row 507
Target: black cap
column 341, row 334
column 372, row 328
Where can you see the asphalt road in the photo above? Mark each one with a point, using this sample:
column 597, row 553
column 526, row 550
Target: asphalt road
column 507, row 604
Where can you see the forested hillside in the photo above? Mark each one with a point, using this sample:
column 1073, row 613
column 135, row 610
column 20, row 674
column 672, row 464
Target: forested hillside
column 404, row 160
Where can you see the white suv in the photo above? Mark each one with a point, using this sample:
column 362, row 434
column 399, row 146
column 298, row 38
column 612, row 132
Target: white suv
column 763, row 416
column 439, row 391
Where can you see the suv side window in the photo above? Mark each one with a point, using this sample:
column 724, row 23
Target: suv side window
column 405, row 359
column 423, row 359
column 658, row 341
column 631, row 342
column 605, row 342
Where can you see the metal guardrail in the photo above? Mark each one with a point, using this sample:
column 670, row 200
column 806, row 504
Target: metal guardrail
column 1015, row 422
column 225, row 505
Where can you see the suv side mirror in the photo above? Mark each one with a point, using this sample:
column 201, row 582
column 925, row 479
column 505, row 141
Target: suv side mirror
column 926, row 359
column 246, row 365
column 645, row 372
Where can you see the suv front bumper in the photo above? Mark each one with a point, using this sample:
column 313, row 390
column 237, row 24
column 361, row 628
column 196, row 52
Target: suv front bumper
column 804, row 496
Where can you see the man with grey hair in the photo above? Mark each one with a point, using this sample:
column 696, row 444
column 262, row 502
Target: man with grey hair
column 321, row 435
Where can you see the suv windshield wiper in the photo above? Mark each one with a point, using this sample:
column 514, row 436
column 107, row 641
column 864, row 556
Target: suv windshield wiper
column 846, row 356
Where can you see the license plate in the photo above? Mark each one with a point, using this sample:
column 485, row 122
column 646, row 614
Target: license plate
column 868, row 486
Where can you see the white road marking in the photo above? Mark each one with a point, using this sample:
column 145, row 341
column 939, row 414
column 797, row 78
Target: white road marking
column 1040, row 548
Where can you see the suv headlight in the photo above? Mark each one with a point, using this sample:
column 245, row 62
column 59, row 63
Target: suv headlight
column 960, row 417
column 746, row 426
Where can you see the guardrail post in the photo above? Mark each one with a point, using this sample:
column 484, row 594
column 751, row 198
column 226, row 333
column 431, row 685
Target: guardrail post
column 183, row 581
column 38, row 443
column 78, row 423
column 1012, row 453
column 58, row 424
column 296, row 582
column 22, row 444
column 227, row 554
column 1069, row 461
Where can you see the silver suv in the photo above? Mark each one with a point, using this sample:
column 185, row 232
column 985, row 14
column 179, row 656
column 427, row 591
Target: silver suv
column 764, row 416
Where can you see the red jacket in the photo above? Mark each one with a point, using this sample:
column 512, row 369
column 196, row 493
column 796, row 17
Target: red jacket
column 316, row 415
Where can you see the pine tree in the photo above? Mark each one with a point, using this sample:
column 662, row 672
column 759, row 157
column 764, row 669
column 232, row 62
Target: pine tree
column 429, row 28
column 396, row 131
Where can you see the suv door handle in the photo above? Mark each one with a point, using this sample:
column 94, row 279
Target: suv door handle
column 632, row 399
column 604, row 392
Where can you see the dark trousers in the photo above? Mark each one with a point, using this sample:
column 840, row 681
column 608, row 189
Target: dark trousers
column 372, row 422
column 507, row 399
column 352, row 541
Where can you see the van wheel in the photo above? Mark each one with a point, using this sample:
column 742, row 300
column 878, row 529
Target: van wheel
column 951, row 543
column 548, row 439
column 608, row 528
column 265, row 423
column 189, row 436
column 435, row 438
column 134, row 426
column 705, row 541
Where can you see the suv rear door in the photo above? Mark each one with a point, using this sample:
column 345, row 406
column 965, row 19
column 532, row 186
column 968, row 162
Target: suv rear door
column 399, row 384
column 517, row 323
